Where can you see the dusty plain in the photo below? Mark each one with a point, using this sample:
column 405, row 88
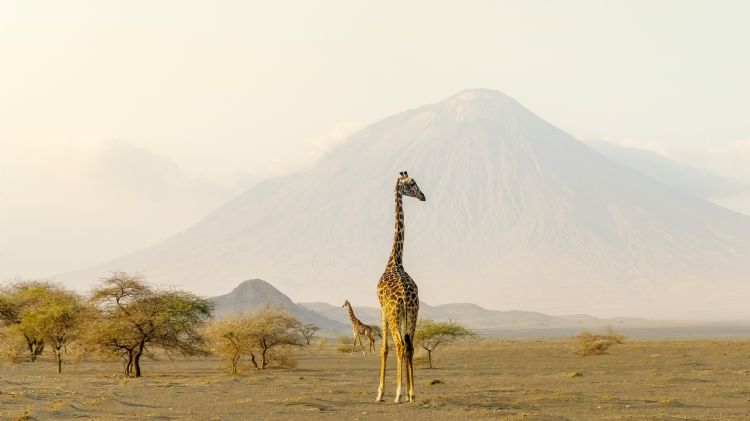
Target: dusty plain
column 484, row 379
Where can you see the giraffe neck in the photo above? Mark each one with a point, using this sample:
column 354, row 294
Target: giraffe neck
column 398, row 236
column 352, row 317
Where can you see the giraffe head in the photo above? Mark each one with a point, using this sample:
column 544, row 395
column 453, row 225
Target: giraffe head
column 346, row 304
column 408, row 187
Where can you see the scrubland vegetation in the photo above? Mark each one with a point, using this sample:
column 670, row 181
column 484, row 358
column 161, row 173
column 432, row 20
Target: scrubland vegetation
column 46, row 328
column 125, row 319
column 588, row 343
column 266, row 336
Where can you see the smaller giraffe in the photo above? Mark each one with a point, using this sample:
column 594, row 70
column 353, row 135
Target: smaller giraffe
column 359, row 328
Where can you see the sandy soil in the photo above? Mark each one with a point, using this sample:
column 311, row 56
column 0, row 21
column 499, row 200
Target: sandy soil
column 514, row 380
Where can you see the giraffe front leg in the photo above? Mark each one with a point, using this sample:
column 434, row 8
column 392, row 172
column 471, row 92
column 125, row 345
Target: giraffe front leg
column 383, row 358
column 354, row 345
column 361, row 346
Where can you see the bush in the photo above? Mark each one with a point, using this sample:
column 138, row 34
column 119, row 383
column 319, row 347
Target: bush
column 283, row 357
column 588, row 343
column 228, row 338
column 323, row 344
column 344, row 343
column 268, row 337
column 430, row 335
column 12, row 349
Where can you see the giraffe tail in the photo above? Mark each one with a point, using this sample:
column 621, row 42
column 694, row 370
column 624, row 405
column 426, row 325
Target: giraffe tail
column 404, row 328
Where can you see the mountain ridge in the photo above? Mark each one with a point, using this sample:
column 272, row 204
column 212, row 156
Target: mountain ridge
column 481, row 318
column 519, row 214
column 256, row 294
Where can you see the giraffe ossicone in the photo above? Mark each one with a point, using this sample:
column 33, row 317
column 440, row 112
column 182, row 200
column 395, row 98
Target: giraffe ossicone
column 399, row 298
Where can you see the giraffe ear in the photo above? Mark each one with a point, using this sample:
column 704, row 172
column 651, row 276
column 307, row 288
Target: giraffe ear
column 406, row 174
column 401, row 173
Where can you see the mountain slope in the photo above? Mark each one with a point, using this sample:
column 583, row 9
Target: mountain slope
column 519, row 214
column 255, row 294
column 687, row 178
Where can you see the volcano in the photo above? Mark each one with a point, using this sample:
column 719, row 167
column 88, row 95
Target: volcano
column 519, row 215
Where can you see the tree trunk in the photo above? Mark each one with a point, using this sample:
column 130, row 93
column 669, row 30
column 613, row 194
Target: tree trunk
column 31, row 347
column 137, row 358
column 58, row 355
column 429, row 358
column 35, row 347
column 263, row 362
column 137, row 363
column 129, row 364
column 235, row 360
column 252, row 358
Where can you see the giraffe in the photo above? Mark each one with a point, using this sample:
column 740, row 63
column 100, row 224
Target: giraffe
column 399, row 300
column 359, row 328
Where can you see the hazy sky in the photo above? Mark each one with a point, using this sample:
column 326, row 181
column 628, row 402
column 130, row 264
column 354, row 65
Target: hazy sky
column 124, row 121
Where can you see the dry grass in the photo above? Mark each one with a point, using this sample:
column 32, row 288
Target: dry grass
column 323, row 344
column 344, row 344
column 502, row 380
column 284, row 358
column 11, row 349
column 588, row 343
column 420, row 360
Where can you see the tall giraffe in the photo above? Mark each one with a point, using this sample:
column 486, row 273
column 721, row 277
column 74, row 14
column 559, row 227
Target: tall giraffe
column 399, row 299
column 359, row 328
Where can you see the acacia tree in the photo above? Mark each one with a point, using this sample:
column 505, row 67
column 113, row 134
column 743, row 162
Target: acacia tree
column 42, row 313
column 430, row 334
column 274, row 328
column 57, row 318
column 133, row 317
column 308, row 330
column 229, row 339
column 263, row 334
column 112, row 337
column 19, row 300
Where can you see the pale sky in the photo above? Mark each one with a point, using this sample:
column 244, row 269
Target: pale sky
column 122, row 122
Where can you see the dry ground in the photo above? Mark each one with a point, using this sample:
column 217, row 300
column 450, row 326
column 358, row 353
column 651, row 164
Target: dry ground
column 492, row 379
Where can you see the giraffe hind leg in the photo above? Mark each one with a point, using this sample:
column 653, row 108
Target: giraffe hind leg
column 399, row 365
column 409, row 356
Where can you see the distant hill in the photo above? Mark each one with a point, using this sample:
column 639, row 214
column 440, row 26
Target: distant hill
column 480, row 318
column 368, row 315
column 255, row 294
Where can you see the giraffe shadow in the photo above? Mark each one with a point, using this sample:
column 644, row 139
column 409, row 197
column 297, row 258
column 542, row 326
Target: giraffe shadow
column 487, row 403
column 315, row 405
